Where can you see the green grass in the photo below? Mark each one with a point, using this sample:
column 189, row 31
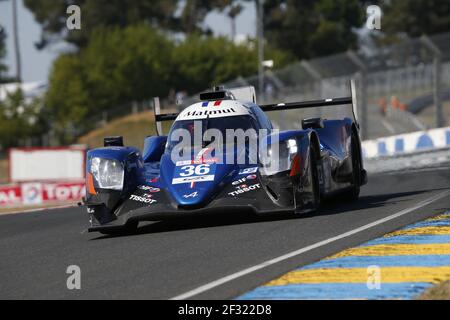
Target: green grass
column 3, row 171
column 441, row 291
column 134, row 128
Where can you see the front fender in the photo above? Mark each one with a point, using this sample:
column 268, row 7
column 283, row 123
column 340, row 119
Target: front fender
column 133, row 165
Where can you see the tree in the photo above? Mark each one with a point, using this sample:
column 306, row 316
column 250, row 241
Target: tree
column 3, row 68
column 51, row 14
column 234, row 11
column 416, row 17
column 67, row 99
column 204, row 61
column 194, row 13
column 186, row 16
column 16, row 41
column 118, row 66
column 309, row 28
column 21, row 121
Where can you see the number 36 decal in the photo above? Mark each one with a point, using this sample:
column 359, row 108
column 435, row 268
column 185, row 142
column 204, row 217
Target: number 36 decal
column 193, row 173
column 200, row 170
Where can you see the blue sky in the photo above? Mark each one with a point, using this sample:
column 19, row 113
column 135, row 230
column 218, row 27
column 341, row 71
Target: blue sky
column 36, row 64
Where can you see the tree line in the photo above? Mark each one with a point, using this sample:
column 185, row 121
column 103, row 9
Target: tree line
column 133, row 50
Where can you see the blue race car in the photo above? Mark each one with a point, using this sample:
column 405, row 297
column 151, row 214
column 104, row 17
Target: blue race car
column 240, row 163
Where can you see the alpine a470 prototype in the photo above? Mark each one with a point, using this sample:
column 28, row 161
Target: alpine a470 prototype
column 184, row 174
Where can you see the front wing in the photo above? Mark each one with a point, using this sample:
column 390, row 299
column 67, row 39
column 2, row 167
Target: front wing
column 150, row 203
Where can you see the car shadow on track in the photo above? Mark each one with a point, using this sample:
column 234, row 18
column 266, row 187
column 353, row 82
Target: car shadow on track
column 331, row 207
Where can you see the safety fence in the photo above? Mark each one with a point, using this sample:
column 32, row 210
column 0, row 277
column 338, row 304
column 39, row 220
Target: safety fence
column 410, row 73
column 407, row 144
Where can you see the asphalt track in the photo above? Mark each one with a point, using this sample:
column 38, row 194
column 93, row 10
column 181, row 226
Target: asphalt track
column 186, row 258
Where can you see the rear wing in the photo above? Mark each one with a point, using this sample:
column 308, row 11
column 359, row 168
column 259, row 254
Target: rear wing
column 271, row 107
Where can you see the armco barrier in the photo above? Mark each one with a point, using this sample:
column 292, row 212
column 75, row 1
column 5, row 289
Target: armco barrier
column 40, row 193
column 407, row 143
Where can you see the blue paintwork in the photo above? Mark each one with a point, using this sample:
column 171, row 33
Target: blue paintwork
column 116, row 153
column 130, row 158
column 153, row 148
column 158, row 169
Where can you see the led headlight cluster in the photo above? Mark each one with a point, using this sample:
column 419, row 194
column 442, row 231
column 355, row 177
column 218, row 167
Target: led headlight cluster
column 108, row 173
column 279, row 157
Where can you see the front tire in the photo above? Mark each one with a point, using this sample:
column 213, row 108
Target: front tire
column 308, row 198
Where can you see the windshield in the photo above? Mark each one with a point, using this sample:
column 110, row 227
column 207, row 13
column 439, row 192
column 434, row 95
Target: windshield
column 221, row 124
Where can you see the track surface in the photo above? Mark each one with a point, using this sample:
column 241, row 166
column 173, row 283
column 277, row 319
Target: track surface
column 166, row 259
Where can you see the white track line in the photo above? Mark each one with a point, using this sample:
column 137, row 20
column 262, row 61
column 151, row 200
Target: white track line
column 292, row 254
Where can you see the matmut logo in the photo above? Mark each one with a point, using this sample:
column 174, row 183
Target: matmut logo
column 196, row 113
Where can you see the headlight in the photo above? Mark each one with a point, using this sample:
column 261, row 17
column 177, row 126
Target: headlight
column 278, row 157
column 108, row 173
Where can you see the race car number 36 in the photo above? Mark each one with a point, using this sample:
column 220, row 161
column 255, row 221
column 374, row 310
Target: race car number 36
column 194, row 173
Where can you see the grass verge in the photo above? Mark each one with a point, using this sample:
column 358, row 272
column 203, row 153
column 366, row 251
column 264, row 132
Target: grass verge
column 134, row 128
column 441, row 291
column 3, row 171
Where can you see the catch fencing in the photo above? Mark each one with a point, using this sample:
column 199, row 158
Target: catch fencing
column 401, row 88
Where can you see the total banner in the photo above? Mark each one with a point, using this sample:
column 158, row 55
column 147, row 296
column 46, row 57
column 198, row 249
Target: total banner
column 38, row 193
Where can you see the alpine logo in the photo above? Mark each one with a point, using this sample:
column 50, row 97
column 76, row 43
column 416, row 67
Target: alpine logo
column 192, row 195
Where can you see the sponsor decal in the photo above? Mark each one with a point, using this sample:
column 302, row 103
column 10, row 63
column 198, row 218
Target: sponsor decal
column 248, row 170
column 192, row 195
column 32, row 193
column 10, row 196
column 197, row 161
column 64, row 192
column 193, row 173
column 146, row 198
column 242, row 180
column 193, row 179
column 38, row 193
column 149, row 188
column 244, row 189
column 198, row 113
column 235, row 183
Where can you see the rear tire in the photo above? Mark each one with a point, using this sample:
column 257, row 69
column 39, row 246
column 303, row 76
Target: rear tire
column 313, row 155
column 354, row 191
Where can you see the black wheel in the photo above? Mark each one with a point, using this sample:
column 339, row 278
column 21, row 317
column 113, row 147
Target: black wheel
column 353, row 193
column 129, row 228
column 313, row 155
column 307, row 196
